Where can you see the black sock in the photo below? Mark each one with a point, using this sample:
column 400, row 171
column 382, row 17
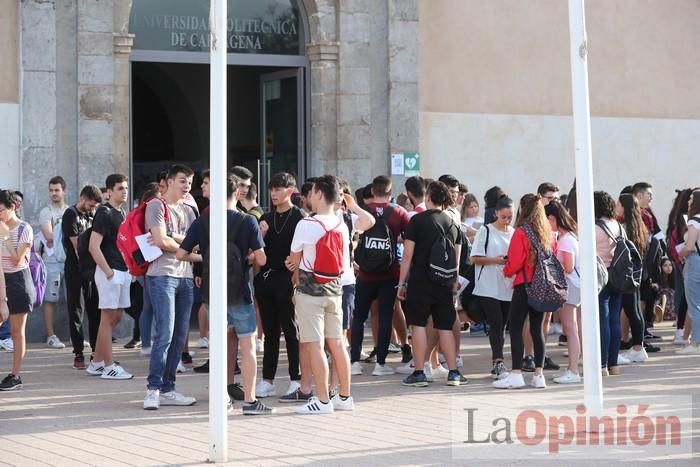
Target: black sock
column 324, row 403
column 343, row 398
column 418, row 372
column 251, row 403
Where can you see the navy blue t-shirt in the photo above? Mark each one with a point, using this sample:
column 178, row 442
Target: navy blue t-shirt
column 248, row 238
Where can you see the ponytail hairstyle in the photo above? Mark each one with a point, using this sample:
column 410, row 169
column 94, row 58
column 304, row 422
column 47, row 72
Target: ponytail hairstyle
column 438, row 194
column 694, row 208
column 564, row 220
column 634, row 224
column 532, row 215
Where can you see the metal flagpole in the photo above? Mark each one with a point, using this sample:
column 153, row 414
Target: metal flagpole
column 218, row 419
column 593, row 381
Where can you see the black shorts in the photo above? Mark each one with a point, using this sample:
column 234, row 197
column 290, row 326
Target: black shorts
column 423, row 299
column 20, row 291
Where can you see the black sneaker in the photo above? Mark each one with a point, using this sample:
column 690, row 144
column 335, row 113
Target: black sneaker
column 186, row 358
column 296, row 396
column 528, row 364
column 650, row 335
column 10, row 383
column 372, row 358
column 406, row 354
column 454, row 378
column 202, row 369
column 651, row 348
column 498, row 369
column 415, row 379
column 625, row 345
column 563, row 341
column 549, row 364
column 132, row 344
column 235, row 392
column 257, row 408
column 237, row 371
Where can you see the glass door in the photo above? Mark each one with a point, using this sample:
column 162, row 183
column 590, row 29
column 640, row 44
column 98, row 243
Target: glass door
column 282, row 123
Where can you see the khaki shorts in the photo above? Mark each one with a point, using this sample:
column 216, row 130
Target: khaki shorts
column 319, row 317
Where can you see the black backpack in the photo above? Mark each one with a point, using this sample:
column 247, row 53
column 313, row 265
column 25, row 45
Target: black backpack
column 442, row 267
column 625, row 271
column 652, row 261
column 235, row 267
column 376, row 252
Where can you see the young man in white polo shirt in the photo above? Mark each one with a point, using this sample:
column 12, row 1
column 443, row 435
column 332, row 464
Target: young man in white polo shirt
column 318, row 305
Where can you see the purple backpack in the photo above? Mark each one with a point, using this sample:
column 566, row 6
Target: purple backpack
column 37, row 269
column 548, row 289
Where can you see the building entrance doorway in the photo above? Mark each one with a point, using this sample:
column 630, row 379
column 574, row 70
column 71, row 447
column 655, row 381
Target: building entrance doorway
column 170, row 109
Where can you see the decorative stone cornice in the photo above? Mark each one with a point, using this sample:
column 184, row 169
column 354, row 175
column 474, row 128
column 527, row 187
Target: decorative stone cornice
column 323, row 51
column 123, row 42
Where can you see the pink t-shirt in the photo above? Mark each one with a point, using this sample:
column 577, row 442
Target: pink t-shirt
column 604, row 245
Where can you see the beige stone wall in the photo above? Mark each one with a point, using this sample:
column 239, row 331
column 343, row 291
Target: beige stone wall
column 512, row 57
column 9, row 51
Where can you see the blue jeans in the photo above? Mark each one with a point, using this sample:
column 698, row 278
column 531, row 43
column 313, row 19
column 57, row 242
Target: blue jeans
column 146, row 317
column 171, row 301
column 5, row 330
column 691, row 276
column 610, row 304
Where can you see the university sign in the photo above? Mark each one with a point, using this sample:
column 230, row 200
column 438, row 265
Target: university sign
column 254, row 26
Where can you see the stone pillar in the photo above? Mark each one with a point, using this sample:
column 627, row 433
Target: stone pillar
column 121, row 114
column 38, row 104
column 354, row 106
column 403, row 78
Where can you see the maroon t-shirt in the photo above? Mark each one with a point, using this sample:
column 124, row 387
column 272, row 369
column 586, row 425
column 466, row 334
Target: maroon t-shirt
column 396, row 219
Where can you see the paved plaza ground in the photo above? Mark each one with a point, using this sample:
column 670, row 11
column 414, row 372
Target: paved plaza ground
column 64, row 417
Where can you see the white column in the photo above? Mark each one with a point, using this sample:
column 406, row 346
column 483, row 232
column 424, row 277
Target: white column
column 218, row 420
column 593, row 382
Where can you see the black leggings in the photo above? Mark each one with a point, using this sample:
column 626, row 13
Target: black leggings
column 630, row 303
column 519, row 310
column 681, row 312
column 496, row 312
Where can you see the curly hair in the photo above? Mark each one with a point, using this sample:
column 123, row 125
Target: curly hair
column 532, row 215
column 636, row 230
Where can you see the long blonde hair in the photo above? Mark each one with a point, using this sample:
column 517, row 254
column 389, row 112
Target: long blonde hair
column 532, row 215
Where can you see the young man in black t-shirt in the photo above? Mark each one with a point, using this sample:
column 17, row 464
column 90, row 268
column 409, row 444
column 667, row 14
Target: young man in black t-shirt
column 111, row 276
column 76, row 220
column 274, row 290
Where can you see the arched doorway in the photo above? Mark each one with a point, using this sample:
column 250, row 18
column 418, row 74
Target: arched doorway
column 268, row 117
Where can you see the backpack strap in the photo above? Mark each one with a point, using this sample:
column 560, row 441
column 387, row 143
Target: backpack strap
column 486, row 249
column 604, row 227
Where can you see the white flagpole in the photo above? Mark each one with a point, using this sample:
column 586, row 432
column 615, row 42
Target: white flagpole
column 218, row 419
column 593, row 381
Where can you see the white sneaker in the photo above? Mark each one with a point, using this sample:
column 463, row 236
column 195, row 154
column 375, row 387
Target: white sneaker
column 407, row 369
column 512, row 381
column 363, row 355
column 460, row 362
column 145, row 352
column 428, row 371
column 259, row 346
column 293, row 387
column 690, row 349
column 636, row 356
column 568, row 377
column 152, row 399
column 678, row 338
column 95, row 368
column 7, row 344
column 55, row 343
column 314, row 407
column 623, row 360
column 356, row 368
column 115, row 371
column 203, row 343
column 175, row 398
column 180, row 367
column 340, row 404
column 265, row 388
column 538, row 382
column 438, row 372
column 382, row 370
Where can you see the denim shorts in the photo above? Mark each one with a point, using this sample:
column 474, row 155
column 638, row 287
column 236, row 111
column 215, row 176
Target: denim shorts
column 241, row 318
column 54, row 280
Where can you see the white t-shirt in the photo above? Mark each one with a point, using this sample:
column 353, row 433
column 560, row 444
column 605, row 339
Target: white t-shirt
column 489, row 279
column 348, row 277
column 470, row 221
column 569, row 243
column 309, row 231
column 696, row 225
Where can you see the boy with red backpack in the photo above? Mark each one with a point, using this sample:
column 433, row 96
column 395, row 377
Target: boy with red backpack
column 319, row 255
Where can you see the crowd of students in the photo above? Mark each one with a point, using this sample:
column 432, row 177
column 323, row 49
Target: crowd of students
column 323, row 262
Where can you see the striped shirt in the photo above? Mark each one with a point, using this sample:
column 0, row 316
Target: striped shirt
column 8, row 265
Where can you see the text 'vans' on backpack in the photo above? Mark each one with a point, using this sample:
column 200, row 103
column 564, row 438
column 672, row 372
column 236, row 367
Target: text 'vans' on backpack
column 37, row 268
column 376, row 251
column 133, row 226
column 548, row 290
column 235, row 267
column 625, row 271
column 328, row 265
column 442, row 268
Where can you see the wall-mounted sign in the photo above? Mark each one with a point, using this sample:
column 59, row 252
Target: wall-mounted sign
column 411, row 164
column 254, row 26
